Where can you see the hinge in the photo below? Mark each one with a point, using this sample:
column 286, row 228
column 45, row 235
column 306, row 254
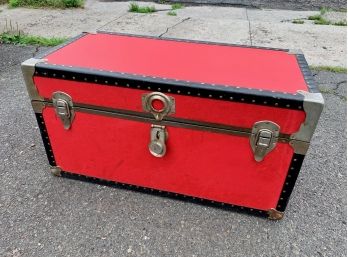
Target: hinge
column 63, row 105
column 263, row 138
column 158, row 138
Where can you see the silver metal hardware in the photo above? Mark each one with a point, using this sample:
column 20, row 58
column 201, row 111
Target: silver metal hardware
column 168, row 103
column 313, row 105
column 37, row 106
column 300, row 147
column 295, row 51
column 28, row 70
column 158, row 137
column 263, row 138
column 56, row 171
column 64, row 108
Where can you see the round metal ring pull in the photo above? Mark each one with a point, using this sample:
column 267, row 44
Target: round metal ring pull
column 159, row 104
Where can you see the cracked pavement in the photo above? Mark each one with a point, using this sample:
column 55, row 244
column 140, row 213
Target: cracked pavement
column 42, row 215
column 322, row 45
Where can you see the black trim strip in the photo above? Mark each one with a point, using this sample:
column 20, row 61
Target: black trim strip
column 156, row 192
column 45, row 139
column 289, row 184
column 218, row 92
column 307, row 74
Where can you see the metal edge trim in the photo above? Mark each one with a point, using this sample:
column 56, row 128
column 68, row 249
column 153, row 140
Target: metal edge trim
column 290, row 181
column 56, row 48
column 28, row 71
column 191, row 41
column 133, row 81
column 167, row 121
column 313, row 105
column 176, row 196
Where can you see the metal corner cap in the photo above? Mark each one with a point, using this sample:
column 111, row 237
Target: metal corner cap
column 28, row 70
column 313, row 104
column 295, row 51
column 274, row 214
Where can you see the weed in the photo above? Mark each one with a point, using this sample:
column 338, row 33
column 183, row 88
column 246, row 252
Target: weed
column 177, row 6
column 20, row 39
column 298, row 21
column 314, row 17
column 340, row 23
column 324, row 10
column 322, row 21
column 335, row 69
column 134, row 7
column 171, row 13
column 47, row 3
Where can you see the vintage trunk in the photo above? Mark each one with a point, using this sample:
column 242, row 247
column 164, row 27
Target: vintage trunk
column 227, row 125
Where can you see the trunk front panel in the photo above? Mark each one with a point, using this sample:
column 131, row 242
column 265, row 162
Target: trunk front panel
column 198, row 163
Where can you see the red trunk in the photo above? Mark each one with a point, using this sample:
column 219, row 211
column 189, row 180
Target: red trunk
column 215, row 122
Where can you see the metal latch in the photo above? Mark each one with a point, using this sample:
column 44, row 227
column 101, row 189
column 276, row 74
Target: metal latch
column 158, row 137
column 159, row 104
column 63, row 105
column 263, row 138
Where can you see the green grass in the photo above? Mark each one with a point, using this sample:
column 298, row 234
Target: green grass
column 340, row 23
column 324, row 10
column 171, row 13
column 335, row 69
column 298, row 21
column 134, row 7
column 322, row 21
column 47, row 3
column 177, row 6
column 19, row 39
column 314, row 17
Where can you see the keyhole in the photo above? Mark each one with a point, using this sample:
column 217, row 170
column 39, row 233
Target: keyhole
column 158, row 135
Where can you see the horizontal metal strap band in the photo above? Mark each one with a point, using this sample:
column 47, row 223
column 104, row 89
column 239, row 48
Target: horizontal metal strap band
column 167, row 121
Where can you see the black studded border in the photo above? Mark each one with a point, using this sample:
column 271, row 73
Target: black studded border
column 219, row 92
column 307, row 74
column 45, row 139
column 290, row 181
column 156, row 192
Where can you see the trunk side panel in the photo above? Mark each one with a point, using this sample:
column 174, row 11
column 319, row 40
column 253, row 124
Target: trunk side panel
column 198, row 163
column 193, row 108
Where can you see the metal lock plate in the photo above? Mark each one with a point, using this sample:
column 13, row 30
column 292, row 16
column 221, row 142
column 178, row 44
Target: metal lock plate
column 263, row 138
column 158, row 137
column 167, row 104
column 63, row 105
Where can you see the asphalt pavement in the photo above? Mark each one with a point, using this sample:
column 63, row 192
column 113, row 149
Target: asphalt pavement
column 42, row 215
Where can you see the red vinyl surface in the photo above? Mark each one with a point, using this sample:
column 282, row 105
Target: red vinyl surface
column 202, row 164
column 192, row 108
column 201, row 63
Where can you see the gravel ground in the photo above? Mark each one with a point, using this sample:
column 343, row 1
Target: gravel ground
column 41, row 215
